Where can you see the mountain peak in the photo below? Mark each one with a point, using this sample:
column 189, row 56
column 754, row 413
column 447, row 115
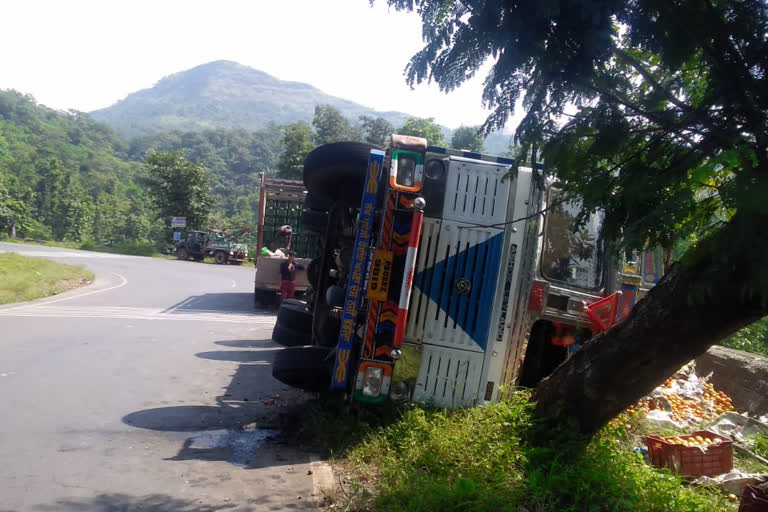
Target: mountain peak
column 224, row 94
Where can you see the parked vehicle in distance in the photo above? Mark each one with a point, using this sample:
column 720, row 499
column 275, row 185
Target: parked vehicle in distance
column 218, row 244
column 282, row 205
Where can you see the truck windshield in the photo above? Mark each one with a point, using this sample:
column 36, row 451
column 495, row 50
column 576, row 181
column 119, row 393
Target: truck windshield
column 572, row 256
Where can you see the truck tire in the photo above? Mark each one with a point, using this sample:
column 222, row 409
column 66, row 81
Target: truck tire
column 289, row 337
column 298, row 318
column 306, row 367
column 263, row 299
column 220, row 258
column 314, row 221
column 181, row 253
column 336, row 171
column 313, row 203
column 296, row 302
column 541, row 356
column 313, row 273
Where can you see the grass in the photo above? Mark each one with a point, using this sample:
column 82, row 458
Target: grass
column 761, row 446
column 492, row 458
column 23, row 278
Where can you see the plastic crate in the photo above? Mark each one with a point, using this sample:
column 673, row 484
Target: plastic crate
column 753, row 500
column 692, row 461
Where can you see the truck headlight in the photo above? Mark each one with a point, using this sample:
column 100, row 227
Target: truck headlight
column 399, row 392
column 374, row 375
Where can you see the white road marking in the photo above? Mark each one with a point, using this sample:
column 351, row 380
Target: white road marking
column 123, row 282
column 41, row 311
column 234, row 284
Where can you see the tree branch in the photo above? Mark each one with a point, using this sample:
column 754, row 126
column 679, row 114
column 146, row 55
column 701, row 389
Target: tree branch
column 649, row 78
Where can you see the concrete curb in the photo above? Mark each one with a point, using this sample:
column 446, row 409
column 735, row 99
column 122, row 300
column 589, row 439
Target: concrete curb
column 323, row 479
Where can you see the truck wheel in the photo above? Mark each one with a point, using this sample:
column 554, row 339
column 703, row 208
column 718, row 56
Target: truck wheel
column 541, row 357
column 296, row 302
column 308, row 367
column 289, row 337
column 220, row 257
column 313, row 273
column 298, row 318
column 313, row 203
column 181, row 253
column 263, row 298
column 336, row 171
column 314, row 221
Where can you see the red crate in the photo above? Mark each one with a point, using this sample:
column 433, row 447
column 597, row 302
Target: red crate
column 692, row 461
column 753, row 500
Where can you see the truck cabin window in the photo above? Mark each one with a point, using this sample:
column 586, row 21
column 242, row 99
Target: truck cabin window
column 572, row 255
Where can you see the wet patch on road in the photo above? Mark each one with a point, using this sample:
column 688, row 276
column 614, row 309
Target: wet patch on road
column 239, row 447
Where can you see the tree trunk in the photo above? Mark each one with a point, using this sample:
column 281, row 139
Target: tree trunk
column 693, row 307
column 12, row 230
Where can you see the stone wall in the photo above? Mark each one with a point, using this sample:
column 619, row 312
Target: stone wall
column 741, row 375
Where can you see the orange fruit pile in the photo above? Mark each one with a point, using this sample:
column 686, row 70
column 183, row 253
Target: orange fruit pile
column 705, row 408
column 693, row 440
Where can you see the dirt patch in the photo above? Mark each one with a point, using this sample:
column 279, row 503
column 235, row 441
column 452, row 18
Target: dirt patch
column 65, row 286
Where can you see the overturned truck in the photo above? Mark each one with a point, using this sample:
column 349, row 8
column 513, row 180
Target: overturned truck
column 442, row 275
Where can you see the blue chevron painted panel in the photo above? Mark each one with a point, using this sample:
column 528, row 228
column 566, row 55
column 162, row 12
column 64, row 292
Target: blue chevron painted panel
column 480, row 265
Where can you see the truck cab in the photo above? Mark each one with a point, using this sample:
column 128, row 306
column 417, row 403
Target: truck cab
column 581, row 286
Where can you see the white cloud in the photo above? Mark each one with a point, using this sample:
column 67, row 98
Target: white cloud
column 87, row 54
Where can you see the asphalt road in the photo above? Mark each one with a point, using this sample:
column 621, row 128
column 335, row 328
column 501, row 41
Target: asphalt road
column 150, row 389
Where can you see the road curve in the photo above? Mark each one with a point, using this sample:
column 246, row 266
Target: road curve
column 150, row 389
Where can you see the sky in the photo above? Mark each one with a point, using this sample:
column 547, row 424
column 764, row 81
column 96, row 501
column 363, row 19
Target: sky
column 88, row 54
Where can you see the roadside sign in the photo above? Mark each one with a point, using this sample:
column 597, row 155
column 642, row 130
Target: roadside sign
column 177, row 236
column 178, row 222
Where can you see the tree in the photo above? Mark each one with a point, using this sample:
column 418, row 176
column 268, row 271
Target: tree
column 13, row 211
column 179, row 188
column 297, row 143
column 376, row 130
column 468, row 137
column 330, row 125
column 655, row 112
column 426, row 128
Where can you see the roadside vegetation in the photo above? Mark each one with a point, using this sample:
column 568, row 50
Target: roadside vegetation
column 23, row 278
column 493, row 458
column 753, row 338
